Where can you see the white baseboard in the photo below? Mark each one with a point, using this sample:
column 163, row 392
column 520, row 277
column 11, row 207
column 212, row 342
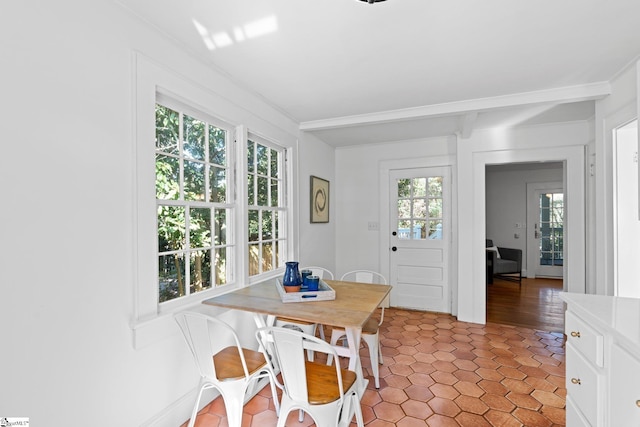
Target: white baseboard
column 180, row 410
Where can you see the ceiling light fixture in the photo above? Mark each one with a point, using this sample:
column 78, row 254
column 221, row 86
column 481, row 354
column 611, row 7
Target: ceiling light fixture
column 372, row 1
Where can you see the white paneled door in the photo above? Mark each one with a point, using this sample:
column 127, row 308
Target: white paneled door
column 545, row 239
column 419, row 238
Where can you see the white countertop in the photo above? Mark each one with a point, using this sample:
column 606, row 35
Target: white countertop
column 620, row 315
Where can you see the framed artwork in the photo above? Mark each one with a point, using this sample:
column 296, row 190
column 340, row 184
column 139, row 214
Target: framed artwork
column 319, row 199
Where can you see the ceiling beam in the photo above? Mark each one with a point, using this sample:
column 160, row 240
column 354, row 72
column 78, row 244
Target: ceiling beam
column 562, row 95
column 467, row 123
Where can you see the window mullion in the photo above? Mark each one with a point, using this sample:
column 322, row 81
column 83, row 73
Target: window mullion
column 187, row 250
column 207, row 165
column 181, row 157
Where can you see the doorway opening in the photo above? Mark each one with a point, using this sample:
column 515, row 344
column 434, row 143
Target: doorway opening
column 525, row 211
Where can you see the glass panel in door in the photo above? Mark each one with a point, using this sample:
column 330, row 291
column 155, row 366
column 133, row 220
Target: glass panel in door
column 419, row 208
column 551, row 232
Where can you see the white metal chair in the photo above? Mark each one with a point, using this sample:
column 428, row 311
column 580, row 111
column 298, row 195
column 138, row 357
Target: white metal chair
column 223, row 363
column 328, row 394
column 370, row 331
column 306, row 327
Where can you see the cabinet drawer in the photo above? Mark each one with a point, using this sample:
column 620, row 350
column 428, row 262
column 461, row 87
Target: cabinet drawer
column 624, row 388
column 585, row 339
column 574, row 416
column 584, row 386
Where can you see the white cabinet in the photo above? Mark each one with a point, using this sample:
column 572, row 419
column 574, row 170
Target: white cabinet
column 574, row 416
column 625, row 386
column 602, row 360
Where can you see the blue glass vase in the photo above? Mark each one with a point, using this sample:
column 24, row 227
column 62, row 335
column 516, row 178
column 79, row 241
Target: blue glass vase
column 291, row 274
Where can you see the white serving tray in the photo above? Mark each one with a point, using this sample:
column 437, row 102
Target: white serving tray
column 324, row 293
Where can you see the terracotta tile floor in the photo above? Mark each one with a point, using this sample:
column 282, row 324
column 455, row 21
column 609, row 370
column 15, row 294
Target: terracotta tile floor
column 441, row 372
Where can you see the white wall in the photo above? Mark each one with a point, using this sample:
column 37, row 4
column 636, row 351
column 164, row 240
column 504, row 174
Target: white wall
column 358, row 196
column 67, row 220
column 506, row 204
column 613, row 111
column 317, row 240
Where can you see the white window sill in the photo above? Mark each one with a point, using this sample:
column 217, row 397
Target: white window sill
column 163, row 326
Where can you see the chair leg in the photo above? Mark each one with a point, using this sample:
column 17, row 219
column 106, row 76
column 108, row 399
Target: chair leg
column 509, row 278
column 194, row 413
column 233, row 396
column 274, row 392
column 282, row 418
column 374, row 348
column 357, row 409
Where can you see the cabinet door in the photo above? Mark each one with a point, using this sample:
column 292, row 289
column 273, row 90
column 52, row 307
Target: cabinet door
column 584, row 386
column 625, row 388
column 574, row 416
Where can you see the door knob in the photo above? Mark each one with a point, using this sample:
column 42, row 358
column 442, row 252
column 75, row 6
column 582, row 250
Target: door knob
column 394, row 249
column 394, row 233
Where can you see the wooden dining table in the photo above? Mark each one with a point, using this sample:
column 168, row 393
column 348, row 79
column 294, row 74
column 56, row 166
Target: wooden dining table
column 354, row 303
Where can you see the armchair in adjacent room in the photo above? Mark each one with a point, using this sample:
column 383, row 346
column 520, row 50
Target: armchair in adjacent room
column 505, row 263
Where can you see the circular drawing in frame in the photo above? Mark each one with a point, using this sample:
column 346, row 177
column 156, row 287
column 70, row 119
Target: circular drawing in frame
column 319, row 199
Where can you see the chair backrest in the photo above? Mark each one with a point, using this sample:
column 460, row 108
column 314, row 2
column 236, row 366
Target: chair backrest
column 368, row 276
column 288, row 347
column 321, row 272
column 364, row 276
column 206, row 335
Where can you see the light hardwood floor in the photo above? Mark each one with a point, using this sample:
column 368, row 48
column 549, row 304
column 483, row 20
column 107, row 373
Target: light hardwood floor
column 536, row 304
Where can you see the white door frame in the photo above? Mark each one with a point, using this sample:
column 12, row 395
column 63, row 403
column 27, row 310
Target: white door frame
column 384, row 174
column 630, row 231
column 471, row 260
column 604, row 183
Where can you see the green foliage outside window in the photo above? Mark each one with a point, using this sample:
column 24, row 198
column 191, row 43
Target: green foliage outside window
column 191, row 185
column 420, row 208
column 552, row 229
column 264, row 182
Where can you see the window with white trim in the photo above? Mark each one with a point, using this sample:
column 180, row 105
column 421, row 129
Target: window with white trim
column 266, row 201
column 195, row 203
column 189, row 238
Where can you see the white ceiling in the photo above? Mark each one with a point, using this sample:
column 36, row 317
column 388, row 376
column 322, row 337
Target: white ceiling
column 353, row 72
